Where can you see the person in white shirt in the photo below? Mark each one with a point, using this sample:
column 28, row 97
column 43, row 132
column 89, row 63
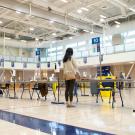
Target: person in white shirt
column 70, row 69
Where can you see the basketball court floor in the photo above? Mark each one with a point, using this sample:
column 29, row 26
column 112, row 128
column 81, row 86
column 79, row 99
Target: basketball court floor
column 32, row 117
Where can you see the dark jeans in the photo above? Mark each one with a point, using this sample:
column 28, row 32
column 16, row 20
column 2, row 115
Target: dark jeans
column 69, row 89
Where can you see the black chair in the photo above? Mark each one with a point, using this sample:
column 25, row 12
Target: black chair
column 5, row 89
column 40, row 89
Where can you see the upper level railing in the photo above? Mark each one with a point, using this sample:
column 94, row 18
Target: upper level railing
column 90, row 52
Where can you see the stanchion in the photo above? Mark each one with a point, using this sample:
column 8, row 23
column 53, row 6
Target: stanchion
column 84, row 90
column 58, row 101
column 14, row 97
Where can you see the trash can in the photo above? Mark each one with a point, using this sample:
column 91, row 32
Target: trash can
column 94, row 87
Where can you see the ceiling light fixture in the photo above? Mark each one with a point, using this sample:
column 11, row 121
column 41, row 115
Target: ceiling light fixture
column 54, row 34
column 53, row 42
column 23, row 41
column 79, row 11
column 37, row 39
column 117, row 22
column 132, row 9
column 74, row 28
column 51, row 21
column 117, row 26
column 102, row 20
column 92, row 32
column 31, row 28
column 85, row 30
column 18, row 12
column 7, row 38
column 1, row 22
column 70, row 37
column 102, row 16
column 65, row 1
column 85, row 9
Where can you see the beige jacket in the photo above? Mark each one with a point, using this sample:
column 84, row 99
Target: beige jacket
column 70, row 67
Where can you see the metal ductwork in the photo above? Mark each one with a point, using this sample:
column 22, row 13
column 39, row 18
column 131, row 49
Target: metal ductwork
column 49, row 15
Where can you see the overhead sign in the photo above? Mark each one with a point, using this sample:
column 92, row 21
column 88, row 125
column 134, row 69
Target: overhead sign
column 38, row 51
column 96, row 40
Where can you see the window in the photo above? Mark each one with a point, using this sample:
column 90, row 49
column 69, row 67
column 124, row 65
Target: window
column 77, row 54
column 82, row 49
column 52, row 49
column 43, row 59
column 48, row 59
column 85, row 54
column 130, row 40
column 81, row 43
column 24, row 59
column 52, row 54
column 59, row 53
column 73, row 45
column 53, row 58
column 130, row 33
column 59, row 57
column 19, row 59
column 59, row 47
column 31, row 60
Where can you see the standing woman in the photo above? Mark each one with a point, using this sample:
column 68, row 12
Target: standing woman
column 70, row 70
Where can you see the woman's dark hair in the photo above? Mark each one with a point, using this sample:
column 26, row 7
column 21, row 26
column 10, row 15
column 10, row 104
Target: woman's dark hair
column 68, row 55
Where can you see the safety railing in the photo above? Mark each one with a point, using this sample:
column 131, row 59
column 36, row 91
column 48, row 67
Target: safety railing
column 90, row 52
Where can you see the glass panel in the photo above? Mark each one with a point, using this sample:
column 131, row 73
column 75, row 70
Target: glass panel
column 119, row 48
column 77, row 54
column 130, row 33
column 130, row 40
column 130, row 47
column 31, row 59
column 52, row 49
column 52, row 54
column 24, row 59
column 19, row 59
column 85, row 54
column 53, row 58
column 6, row 57
column 12, row 58
column 59, row 47
column 82, row 49
column 59, row 57
column 48, row 59
column 109, row 50
column 43, row 59
column 59, row 53
column 71, row 45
